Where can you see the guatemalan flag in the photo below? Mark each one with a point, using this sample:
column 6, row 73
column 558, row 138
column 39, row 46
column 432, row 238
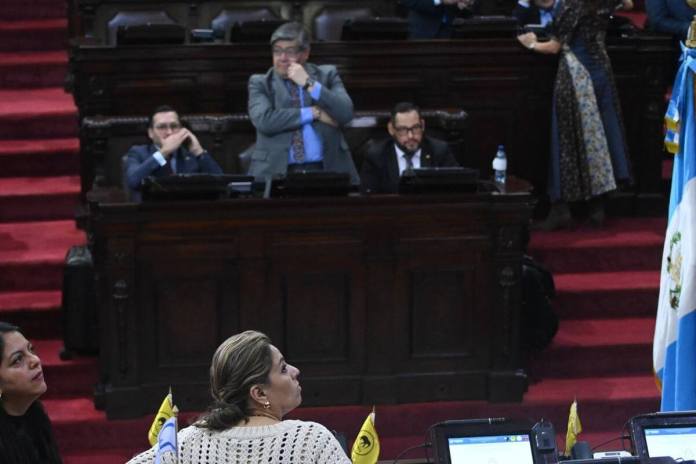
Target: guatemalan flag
column 674, row 348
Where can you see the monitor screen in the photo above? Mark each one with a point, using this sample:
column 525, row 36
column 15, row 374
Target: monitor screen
column 676, row 442
column 664, row 434
column 491, row 449
column 483, row 441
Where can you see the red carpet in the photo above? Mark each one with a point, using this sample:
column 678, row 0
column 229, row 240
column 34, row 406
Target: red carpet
column 607, row 282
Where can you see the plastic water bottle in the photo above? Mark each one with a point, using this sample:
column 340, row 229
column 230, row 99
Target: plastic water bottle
column 500, row 165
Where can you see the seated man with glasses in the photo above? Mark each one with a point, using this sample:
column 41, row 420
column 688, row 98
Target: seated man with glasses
column 408, row 148
column 174, row 150
column 298, row 109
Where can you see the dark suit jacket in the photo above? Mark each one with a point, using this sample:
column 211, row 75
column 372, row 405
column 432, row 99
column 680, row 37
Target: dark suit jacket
column 140, row 163
column 529, row 15
column 275, row 118
column 428, row 21
column 670, row 16
column 380, row 168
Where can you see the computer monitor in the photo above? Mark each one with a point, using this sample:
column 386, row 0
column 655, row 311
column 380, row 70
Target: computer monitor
column 665, row 434
column 470, row 442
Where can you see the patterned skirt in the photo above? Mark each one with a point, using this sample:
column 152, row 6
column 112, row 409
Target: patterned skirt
column 588, row 149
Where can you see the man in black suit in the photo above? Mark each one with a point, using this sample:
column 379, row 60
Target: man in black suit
column 174, row 150
column 535, row 12
column 408, row 148
column 432, row 19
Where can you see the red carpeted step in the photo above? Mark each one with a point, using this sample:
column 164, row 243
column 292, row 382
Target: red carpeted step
column 38, row 198
column 36, row 312
column 606, row 294
column 66, row 379
column 34, row 34
column 614, row 303
column 32, row 254
column 32, row 9
column 37, row 113
column 43, row 157
column 607, row 281
column 25, row 70
column 625, row 243
column 602, row 341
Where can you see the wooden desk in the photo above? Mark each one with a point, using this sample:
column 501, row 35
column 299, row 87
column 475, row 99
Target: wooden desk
column 376, row 299
column 505, row 89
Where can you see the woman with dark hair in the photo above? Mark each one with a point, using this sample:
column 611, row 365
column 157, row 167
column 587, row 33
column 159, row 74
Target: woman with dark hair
column 25, row 430
column 253, row 388
column 588, row 145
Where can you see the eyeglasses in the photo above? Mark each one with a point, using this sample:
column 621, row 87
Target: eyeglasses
column 290, row 52
column 415, row 130
column 173, row 126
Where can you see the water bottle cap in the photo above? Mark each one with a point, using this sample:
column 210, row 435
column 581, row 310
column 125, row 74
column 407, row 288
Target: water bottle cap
column 501, row 147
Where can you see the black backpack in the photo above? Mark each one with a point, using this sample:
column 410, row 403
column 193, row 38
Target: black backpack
column 539, row 321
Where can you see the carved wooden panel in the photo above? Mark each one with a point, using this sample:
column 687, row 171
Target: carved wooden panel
column 381, row 299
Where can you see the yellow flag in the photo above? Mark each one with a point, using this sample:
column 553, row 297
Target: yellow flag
column 166, row 410
column 574, row 427
column 366, row 446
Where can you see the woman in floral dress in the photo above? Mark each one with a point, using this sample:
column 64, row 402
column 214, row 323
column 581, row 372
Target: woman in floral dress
column 588, row 146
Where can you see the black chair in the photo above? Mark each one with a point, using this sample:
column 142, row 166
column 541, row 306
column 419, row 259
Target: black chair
column 144, row 34
column 255, row 31
column 144, row 27
column 223, row 23
column 328, row 24
column 378, row 28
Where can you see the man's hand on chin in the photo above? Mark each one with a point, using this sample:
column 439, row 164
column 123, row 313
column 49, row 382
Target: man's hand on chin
column 297, row 74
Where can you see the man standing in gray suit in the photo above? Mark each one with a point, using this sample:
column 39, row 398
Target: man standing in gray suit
column 298, row 109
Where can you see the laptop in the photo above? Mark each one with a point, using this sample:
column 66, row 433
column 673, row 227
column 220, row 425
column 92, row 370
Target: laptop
column 483, row 441
column 665, row 434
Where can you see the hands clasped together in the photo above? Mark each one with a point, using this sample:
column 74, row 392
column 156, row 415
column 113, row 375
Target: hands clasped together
column 173, row 141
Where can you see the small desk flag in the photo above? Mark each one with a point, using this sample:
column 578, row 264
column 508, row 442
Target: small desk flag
column 574, row 428
column 166, row 411
column 166, row 443
column 366, row 446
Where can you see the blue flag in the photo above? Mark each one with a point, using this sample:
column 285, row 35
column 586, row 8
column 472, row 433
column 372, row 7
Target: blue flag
column 674, row 347
column 166, row 443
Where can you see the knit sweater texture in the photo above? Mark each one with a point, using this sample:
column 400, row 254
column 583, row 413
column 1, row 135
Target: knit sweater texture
column 289, row 441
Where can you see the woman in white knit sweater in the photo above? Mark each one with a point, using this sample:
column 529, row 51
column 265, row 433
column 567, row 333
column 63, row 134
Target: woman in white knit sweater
column 253, row 388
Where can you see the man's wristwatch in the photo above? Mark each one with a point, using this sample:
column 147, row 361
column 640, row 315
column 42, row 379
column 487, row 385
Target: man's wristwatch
column 308, row 83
